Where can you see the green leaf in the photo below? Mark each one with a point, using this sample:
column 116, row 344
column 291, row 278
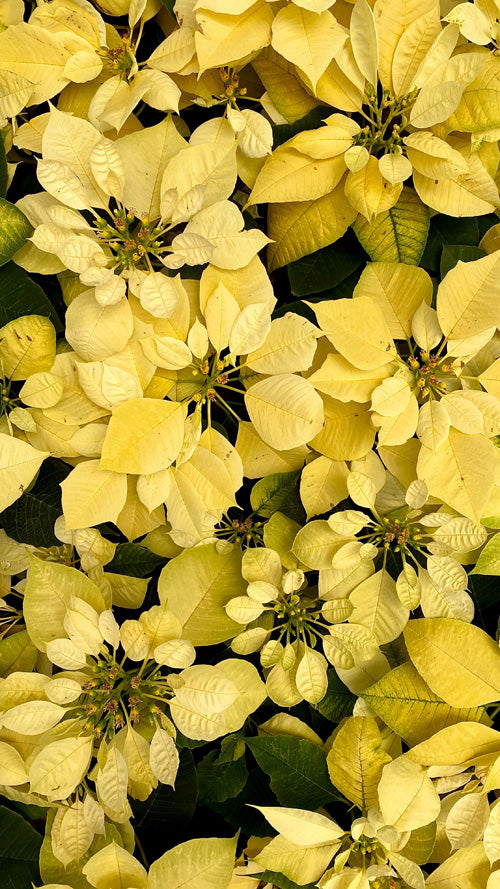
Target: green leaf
column 278, row 492
column 28, row 812
column 456, row 231
column 454, row 252
column 338, row 701
column 15, row 229
column 4, row 176
column 484, row 590
column 408, row 706
column 399, row 234
column 297, row 769
column 19, row 295
column 167, row 811
column 223, row 776
column 31, row 518
column 484, row 223
column 19, row 849
column 238, row 812
column 325, row 268
column 356, row 760
column 489, row 560
column 298, row 307
column 17, row 653
column 134, row 560
column 445, row 230
column 344, row 290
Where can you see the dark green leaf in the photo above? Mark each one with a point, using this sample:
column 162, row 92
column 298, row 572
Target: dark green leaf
column 278, row 492
column 168, row 808
column 134, row 560
column 456, row 231
column 325, row 268
column 19, row 295
column 338, row 701
column 4, row 176
column 485, row 222
column 169, row 4
column 296, row 306
column 452, row 253
column 17, row 653
column 191, row 272
column 29, row 813
column 19, row 850
column 297, row 769
column 311, row 121
column 238, row 811
column 31, row 518
column 15, row 229
column 223, row 776
column 344, row 290
column 484, row 590
column 447, row 230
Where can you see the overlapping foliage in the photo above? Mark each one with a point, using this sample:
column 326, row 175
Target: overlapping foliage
column 249, row 444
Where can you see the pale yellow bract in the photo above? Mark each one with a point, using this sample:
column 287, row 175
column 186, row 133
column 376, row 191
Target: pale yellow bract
column 308, row 489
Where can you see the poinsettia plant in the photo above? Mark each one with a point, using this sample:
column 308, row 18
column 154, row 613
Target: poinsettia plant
column 249, row 444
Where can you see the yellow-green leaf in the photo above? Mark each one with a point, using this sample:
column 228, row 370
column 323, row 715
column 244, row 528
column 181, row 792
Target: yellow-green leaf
column 356, row 760
column 397, row 235
column 458, row 661
column 27, row 345
column 408, row 706
column 15, row 230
